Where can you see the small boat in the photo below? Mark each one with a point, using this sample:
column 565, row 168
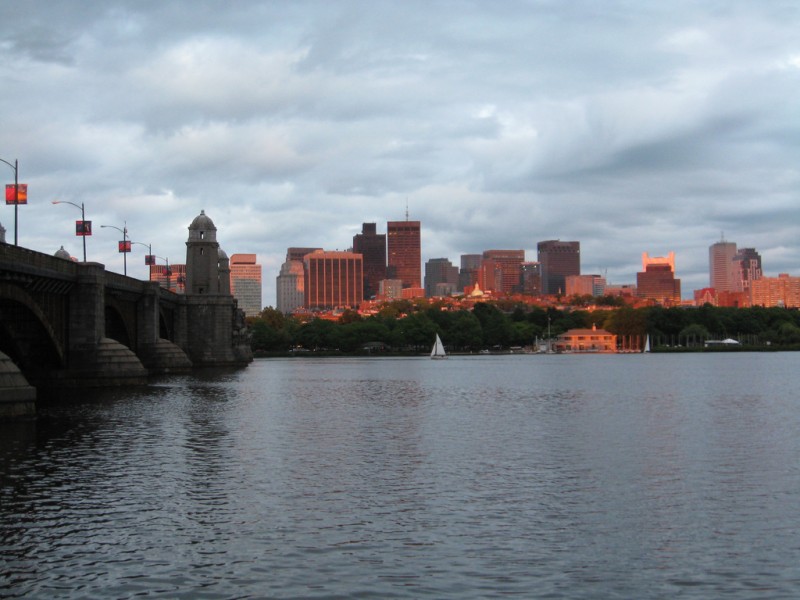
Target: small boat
column 438, row 349
column 647, row 344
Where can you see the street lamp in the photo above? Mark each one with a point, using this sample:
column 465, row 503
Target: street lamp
column 13, row 195
column 149, row 259
column 82, row 227
column 167, row 271
column 124, row 245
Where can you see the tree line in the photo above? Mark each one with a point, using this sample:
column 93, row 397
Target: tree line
column 410, row 326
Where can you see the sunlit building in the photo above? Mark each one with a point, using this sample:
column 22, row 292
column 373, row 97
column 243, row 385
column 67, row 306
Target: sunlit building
column 558, row 259
column 509, row 262
column 782, row 290
column 246, row 283
column 372, row 246
column 746, row 268
column 720, row 266
column 586, row 340
column 657, row 280
column 404, row 252
column 171, row 277
column 333, row 280
column 585, row 285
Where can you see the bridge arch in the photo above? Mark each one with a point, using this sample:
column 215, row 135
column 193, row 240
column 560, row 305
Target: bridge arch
column 27, row 336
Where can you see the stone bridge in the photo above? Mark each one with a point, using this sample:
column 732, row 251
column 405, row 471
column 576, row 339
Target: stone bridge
column 65, row 324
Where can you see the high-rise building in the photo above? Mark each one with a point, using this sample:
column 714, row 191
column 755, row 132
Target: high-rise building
column 246, row 283
column 299, row 253
column 746, row 268
column 404, row 252
column 509, row 263
column 585, row 285
column 657, row 281
column 171, row 277
column 468, row 275
column 782, row 290
column 720, row 267
column 441, row 278
column 290, row 287
column 530, row 280
column 372, row 246
column 558, row 259
column 333, row 280
column 490, row 276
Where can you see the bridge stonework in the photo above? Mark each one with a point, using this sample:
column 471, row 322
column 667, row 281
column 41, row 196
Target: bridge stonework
column 65, row 324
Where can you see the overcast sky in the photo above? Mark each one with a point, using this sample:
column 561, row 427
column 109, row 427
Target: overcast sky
column 631, row 126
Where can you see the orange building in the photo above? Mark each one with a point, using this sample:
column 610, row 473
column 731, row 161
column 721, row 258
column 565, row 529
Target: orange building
column 586, row 340
column 657, row 280
column 333, row 280
column 782, row 290
column 509, row 262
column 246, row 283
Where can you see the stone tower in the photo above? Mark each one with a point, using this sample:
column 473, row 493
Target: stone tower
column 202, row 257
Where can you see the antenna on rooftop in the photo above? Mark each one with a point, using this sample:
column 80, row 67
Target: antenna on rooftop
column 406, row 209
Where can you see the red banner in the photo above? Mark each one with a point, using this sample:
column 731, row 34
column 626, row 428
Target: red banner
column 17, row 194
column 83, row 228
column 125, row 246
column 149, row 259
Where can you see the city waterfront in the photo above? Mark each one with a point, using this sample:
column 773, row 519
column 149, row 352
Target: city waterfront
column 558, row 476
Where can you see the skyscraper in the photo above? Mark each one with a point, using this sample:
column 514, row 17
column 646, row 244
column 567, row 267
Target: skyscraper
column 404, row 252
column 468, row 275
column 246, row 283
column 746, row 268
column 509, row 262
column 558, row 259
column 657, row 280
column 720, row 267
column 333, row 280
column 290, row 287
column 372, row 246
column 530, row 280
column 441, row 277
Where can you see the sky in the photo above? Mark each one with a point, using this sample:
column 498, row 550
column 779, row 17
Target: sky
column 629, row 125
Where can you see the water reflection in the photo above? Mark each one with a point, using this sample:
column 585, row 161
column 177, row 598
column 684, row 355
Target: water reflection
column 481, row 477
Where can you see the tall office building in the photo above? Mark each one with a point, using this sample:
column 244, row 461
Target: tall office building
column 558, row 259
column 333, row 280
column 441, row 278
column 585, row 285
column 720, row 266
column 468, row 274
column 372, row 246
column 404, row 252
column 530, row 279
column 290, row 287
column 509, row 262
column 246, row 283
column 657, row 280
column 746, row 268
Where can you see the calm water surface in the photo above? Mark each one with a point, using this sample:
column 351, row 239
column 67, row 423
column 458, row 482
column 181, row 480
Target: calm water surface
column 641, row 476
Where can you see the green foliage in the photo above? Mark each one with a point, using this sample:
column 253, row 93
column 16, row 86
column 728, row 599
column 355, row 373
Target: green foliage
column 488, row 326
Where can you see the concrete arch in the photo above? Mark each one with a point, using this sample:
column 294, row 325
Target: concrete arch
column 26, row 333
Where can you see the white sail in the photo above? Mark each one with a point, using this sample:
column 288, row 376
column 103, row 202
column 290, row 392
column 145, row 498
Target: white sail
column 438, row 349
column 647, row 344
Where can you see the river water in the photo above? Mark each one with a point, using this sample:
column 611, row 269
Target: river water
column 637, row 476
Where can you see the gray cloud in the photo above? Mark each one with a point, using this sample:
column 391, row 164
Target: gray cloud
column 631, row 126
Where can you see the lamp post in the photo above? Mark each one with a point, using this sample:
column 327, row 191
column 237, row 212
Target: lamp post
column 84, row 228
column 124, row 247
column 167, row 270
column 15, row 198
column 149, row 259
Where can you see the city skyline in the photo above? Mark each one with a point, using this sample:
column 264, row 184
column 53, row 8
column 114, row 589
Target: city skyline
column 632, row 127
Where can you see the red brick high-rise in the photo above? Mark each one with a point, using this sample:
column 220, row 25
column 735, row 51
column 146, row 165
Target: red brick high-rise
column 510, row 264
column 372, row 246
column 333, row 280
column 404, row 252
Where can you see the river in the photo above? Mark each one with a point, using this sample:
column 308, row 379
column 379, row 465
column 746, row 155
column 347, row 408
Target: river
column 547, row 476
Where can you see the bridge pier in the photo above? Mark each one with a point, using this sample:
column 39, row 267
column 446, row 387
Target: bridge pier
column 157, row 354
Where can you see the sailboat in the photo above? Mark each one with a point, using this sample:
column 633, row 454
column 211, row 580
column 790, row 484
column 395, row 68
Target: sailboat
column 647, row 344
column 438, row 349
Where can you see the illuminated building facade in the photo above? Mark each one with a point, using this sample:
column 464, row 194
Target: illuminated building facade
column 246, row 283
column 333, row 280
column 558, row 259
column 782, row 290
column 372, row 246
column 657, row 281
column 585, row 285
column 404, row 253
column 720, row 266
column 172, row 278
column 746, row 268
column 586, row 340
column 509, row 263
